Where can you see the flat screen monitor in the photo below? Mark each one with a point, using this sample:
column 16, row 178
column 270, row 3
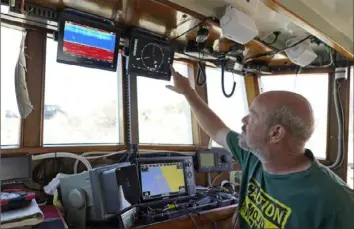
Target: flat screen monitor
column 162, row 179
column 166, row 177
column 87, row 42
column 15, row 169
column 207, row 159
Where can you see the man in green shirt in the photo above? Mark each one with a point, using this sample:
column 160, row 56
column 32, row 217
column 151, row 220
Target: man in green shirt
column 283, row 185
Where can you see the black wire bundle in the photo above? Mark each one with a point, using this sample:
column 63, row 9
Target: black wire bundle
column 47, row 169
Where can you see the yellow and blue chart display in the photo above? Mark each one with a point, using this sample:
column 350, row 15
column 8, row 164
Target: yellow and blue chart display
column 162, row 179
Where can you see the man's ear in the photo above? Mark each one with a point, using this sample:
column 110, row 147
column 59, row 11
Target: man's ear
column 276, row 133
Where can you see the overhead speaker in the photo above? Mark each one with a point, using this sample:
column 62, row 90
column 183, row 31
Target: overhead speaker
column 238, row 26
column 301, row 54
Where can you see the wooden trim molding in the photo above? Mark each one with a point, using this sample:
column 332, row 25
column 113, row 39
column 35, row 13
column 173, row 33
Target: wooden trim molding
column 200, row 138
column 36, row 57
column 252, row 87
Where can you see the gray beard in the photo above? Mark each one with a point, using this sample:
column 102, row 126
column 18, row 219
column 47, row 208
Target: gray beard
column 242, row 143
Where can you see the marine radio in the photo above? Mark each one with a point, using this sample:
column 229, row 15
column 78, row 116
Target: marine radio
column 213, row 160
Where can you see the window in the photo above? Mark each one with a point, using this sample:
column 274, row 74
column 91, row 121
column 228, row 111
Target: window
column 10, row 117
column 164, row 116
column 350, row 172
column 230, row 110
column 81, row 104
column 315, row 88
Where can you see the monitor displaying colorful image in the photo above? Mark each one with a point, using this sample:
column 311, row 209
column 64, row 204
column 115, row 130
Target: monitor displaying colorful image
column 88, row 43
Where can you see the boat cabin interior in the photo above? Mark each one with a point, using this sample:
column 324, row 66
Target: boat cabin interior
column 91, row 135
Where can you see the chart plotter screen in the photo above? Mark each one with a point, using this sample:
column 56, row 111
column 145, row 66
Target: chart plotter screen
column 162, row 179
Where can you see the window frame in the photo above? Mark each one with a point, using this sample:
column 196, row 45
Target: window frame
column 247, row 88
column 197, row 135
column 121, row 118
column 200, row 139
column 4, row 148
column 327, row 71
column 32, row 127
column 94, row 146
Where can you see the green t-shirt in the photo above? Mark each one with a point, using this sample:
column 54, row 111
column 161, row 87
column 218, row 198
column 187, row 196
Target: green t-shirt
column 313, row 198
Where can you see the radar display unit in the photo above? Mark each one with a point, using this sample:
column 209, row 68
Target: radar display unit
column 150, row 55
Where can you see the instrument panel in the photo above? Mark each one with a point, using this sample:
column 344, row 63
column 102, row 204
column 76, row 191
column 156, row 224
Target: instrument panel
column 150, row 55
column 214, row 160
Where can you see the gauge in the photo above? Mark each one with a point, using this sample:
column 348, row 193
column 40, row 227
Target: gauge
column 152, row 56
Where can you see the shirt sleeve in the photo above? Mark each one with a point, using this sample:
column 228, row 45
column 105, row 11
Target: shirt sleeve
column 240, row 154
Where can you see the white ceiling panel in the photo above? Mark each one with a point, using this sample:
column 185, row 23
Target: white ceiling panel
column 267, row 20
column 334, row 18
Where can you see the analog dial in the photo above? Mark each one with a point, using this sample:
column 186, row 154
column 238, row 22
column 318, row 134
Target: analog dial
column 152, row 56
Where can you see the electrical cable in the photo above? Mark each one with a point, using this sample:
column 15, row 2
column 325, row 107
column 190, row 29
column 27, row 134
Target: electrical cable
column 326, row 65
column 278, row 51
column 276, row 36
column 47, row 169
column 216, row 177
column 215, row 224
column 64, row 155
column 223, row 62
column 340, row 120
column 199, row 214
column 187, row 31
column 106, row 154
column 201, row 72
column 190, row 215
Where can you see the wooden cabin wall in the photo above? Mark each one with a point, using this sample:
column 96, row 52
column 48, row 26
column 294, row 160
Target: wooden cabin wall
column 142, row 14
column 32, row 127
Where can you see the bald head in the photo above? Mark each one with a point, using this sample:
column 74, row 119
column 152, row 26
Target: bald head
column 288, row 109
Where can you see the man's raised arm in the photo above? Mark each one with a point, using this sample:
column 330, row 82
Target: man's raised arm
column 206, row 118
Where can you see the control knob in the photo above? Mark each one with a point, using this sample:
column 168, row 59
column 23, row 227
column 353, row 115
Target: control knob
column 224, row 159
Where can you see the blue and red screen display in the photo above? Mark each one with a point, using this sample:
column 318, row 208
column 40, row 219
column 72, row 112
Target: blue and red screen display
column 88, row 42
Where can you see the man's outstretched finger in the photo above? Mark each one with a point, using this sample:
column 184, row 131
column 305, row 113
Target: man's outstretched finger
column 173, row 72
column 172, row 88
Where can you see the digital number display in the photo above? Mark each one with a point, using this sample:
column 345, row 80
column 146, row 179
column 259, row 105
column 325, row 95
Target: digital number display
column 207, row 159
